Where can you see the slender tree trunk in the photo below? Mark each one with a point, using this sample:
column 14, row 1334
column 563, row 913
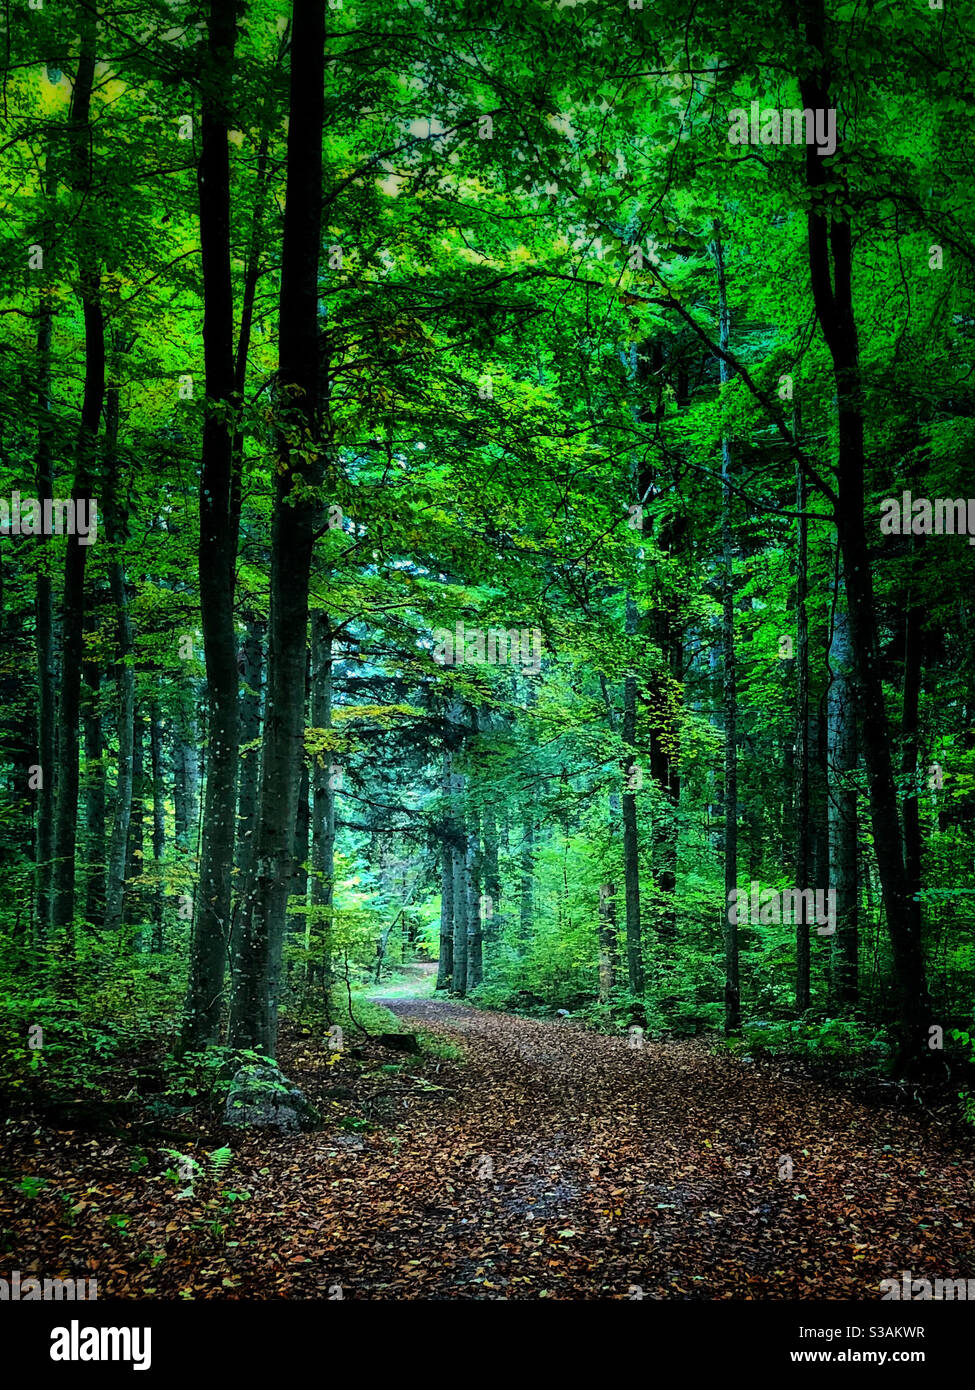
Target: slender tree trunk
column 44, row 617
column 252, row 272
column 631, row 851
column 663, row 770
column 186, row 783
column 664, row 760
column 445, row 964
column 73, row 602
column 297, row 922
column 44, row 636
column 475, row 968
column 250, row 699
column 181, row 818
column 19, row 758
column 122, row 811
column 819, row 778
column 843, row 827
column 492, row 878
column 526, row 915
column 461, row 898
column 218, row 545
column 327, row 775
column 158, row 822
column 789, row 800
column 910, row 731
column 72, row 622
column 257, row 968
column 804, row 856
column 135, row 850
column 252, row 654
column 95, row 801
column 732, row 1019
column 607, row 941
column 631, row 839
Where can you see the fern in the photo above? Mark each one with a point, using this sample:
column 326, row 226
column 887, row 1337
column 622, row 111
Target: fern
column 219, row 1161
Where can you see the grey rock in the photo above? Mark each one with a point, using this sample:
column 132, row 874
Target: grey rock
column 262, row 1097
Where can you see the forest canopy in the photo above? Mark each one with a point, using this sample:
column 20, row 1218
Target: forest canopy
column 488, row 485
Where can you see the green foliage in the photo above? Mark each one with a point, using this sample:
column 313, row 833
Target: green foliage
column 850, row 1039
column 434, row 1046
column 219, row 1161
column 207, row 1075
column 506, row 381
column 967, row 1097
column 31, row 1186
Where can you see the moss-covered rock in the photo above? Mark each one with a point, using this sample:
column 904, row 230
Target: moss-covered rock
column 262, row 1097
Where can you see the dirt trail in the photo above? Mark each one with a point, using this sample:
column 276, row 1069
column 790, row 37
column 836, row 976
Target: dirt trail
column 569, row 1163
column 552, row 1162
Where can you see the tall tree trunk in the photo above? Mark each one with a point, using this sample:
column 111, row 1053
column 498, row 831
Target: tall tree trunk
column 475, row 967
column 119, row 856
column 44, row 635
column 44, row 623
column 786, row 848
column 257, row 970
column 135, row 850
column 158, row 822
column 218, row 545
column 607, row 941
column 492, row 876
column 526, row 911
column 186, row 782
column 122, row 810
column 17, row 796
column 631, row 839
column 250, row 705
column 73, row 602
column 95, row 801
column 297, row 922
column 910, row 732
column 664, row 752
column 842, row 759
column 818, row 776
column 252, row 676
column 326, row 776
column 732, row 1012
column 445, row 964
column 804, row 857
column 663, row 769
column 252, row 272
column 831, row 273
column 181, row 818
column 72, row 622
column 460, row 895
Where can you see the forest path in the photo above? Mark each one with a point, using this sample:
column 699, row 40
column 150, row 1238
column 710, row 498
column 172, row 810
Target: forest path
column 550, row 1162
column 562, row 1163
